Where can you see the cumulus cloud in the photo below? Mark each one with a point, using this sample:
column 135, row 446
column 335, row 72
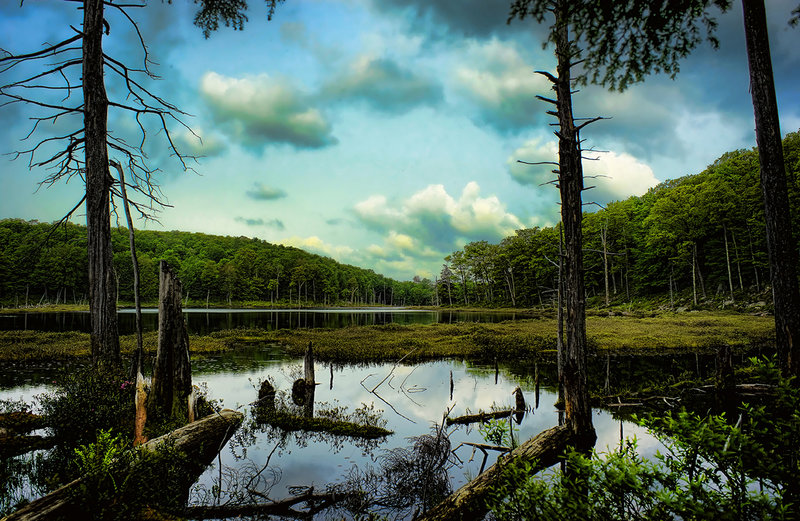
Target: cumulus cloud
column 617, row 175
column 501, row 86
column 383, row 85
column 260, row 110
column 433, row 221
column 262, row 192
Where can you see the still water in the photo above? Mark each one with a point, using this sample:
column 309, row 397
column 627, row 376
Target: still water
column 412, row 400
column 202, row 321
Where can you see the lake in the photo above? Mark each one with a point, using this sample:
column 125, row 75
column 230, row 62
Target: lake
column 202, row 321
column 412, row 400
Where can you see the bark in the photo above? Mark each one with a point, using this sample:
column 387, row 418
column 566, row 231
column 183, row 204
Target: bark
column 469, row 502
column 172, row 373
column 780, row 242
column 576, row 393
column 104, row 336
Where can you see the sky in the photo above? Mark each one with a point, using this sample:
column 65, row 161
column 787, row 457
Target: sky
column 383, row 133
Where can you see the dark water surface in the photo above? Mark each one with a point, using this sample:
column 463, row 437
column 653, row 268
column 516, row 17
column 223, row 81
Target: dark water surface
column 412, row 399
column 201, row 321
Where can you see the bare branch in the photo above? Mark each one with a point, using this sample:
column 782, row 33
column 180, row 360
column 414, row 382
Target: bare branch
column 598, row 118
column 42, row 52
column 537, row 162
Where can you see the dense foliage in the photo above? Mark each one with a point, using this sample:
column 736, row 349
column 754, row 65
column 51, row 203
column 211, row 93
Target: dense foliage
column 702, row 233
column 709, row 467
column 35, row 267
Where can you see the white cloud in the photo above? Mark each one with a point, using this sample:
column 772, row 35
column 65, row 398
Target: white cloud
column 501, row 85
column 437, row 221
column 619, row 175
column 261, row 110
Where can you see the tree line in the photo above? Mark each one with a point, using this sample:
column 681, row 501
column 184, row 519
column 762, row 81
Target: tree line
column 40, row 263
column 702, row 235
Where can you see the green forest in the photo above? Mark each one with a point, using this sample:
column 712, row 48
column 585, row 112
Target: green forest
column 700, row 236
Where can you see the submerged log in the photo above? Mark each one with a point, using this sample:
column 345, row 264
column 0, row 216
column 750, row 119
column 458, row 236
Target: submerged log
column 469, row 502
column 200, row 441
column 480, row 417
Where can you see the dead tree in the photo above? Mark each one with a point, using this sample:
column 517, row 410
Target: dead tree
column 78, row 70
column 781, row 244
column 570, row 185
column 172, row 373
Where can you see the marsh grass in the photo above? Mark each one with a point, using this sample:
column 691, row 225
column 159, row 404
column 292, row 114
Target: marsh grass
column 509, row 340
column 48, row 345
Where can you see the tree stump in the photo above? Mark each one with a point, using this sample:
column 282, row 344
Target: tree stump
column 172, row 372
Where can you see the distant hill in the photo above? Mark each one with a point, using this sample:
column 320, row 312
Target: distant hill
column 39, row 263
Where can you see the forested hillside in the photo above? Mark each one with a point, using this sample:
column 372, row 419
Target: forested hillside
column 701, row 235
column 222, row 270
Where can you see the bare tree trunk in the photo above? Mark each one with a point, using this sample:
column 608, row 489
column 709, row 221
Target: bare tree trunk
column 738, row 262
column 728, row 259
column 753, row 259
column 172, row 373
column 578, row 411
column 694, row 276
column 780, row 242
column 105, row 335
column 699, row 271
column 604, row 240
column 560, row 315
column 138, row 356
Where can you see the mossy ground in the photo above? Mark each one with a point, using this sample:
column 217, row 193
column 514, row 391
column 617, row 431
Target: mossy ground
column 655, row 334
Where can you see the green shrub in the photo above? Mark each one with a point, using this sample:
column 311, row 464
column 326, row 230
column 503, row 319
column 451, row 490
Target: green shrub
column 86, row 401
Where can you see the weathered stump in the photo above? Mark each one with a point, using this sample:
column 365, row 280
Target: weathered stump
column 172, row 373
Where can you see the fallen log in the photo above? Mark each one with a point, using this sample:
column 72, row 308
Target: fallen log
column 481, row 417
column 282, row 508
column 200, row 440
column 469, row 502
column 20, row 423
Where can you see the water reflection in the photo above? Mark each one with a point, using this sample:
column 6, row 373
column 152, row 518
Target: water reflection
column 201, row 321
column 412, row 398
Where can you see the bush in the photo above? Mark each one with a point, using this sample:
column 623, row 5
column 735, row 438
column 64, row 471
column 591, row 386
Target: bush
column 87, row 401
column 713, row 467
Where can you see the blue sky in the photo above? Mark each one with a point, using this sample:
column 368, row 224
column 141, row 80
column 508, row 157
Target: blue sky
column 386, row 133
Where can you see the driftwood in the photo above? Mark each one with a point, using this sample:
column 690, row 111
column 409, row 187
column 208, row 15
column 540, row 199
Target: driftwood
column 200, row 440
column 172, row 373
column 469, row 502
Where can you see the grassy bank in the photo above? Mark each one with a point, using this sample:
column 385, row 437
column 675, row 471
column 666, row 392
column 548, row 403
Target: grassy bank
column 697, row 331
